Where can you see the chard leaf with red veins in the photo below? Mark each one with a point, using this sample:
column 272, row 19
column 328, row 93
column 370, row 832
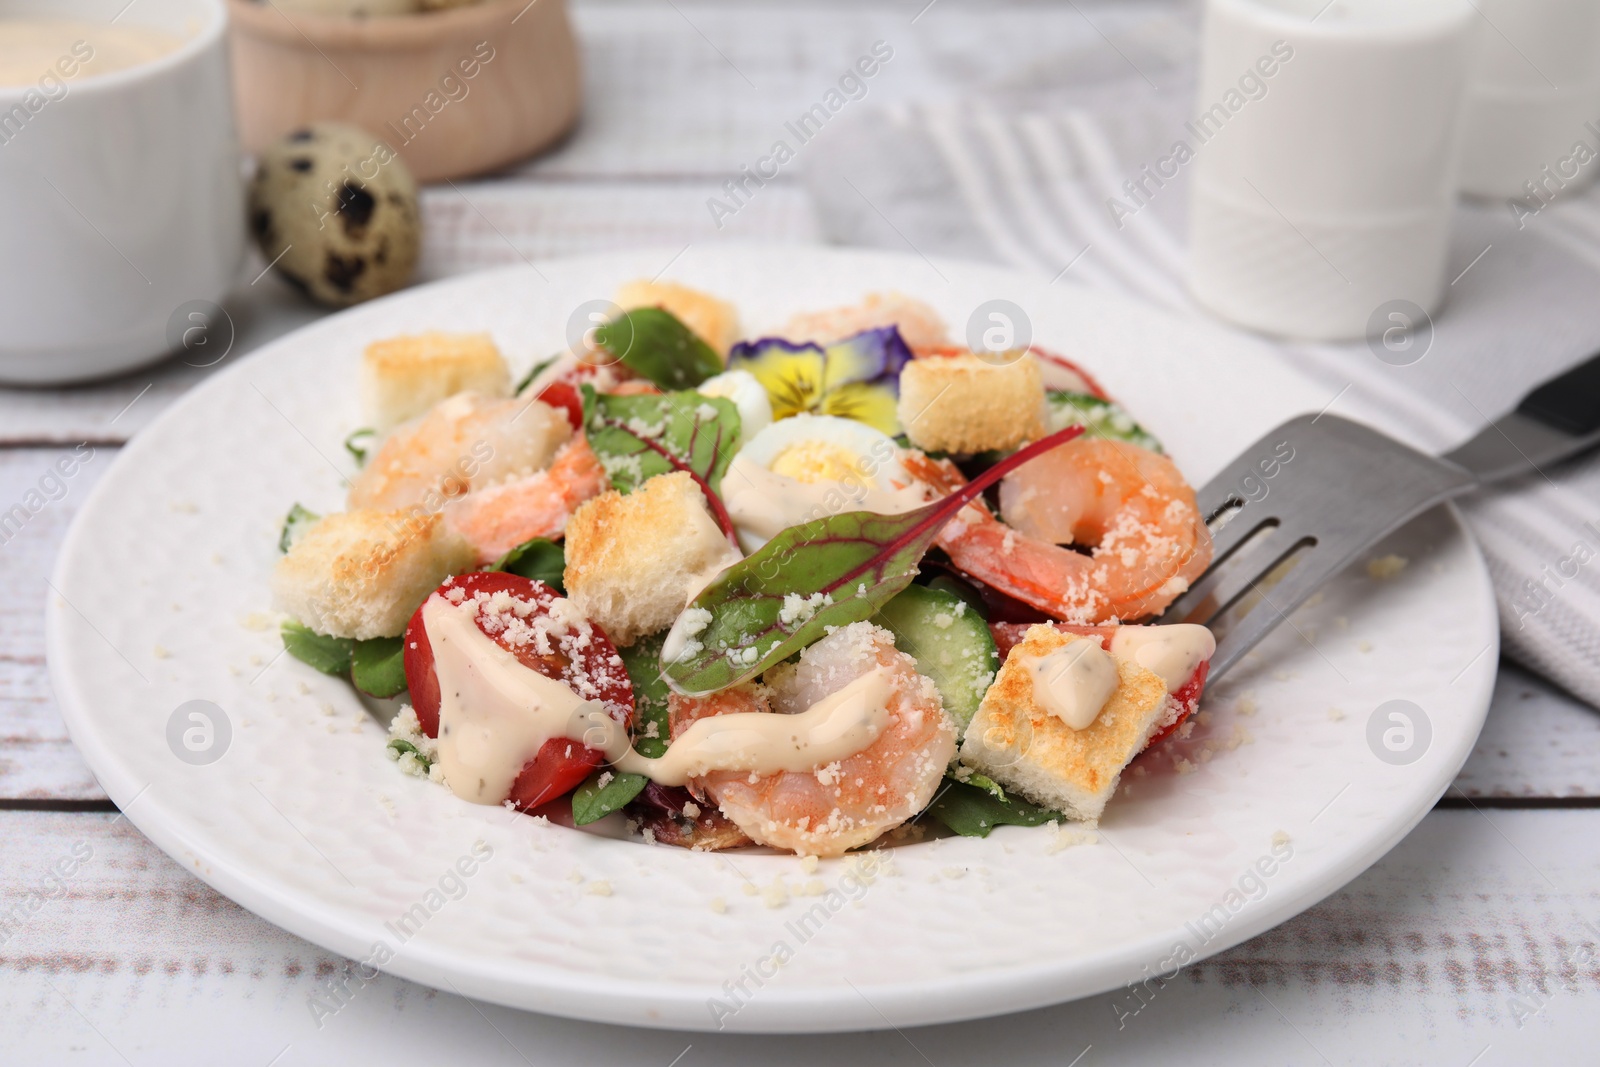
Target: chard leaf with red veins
column 637, row 437
column 826, row 573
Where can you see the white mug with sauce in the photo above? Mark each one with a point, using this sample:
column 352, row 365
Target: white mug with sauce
column 120, row 192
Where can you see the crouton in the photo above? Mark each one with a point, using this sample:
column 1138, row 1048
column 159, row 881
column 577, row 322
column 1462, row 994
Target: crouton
column 402, row 377
column 634, row 562
column 361, row 574
column 1024, row 747
column 714, row 321
column 467, row 442
column 965, row 404
column 920, row 326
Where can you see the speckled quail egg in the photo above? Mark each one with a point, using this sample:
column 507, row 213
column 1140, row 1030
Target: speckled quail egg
column 335, row 210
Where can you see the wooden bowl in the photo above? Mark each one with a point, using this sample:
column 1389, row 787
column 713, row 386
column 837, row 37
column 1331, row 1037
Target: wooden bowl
column 455, row 92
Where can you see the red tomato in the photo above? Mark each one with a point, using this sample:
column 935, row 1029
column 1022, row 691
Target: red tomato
column 593, row 670
column 1188, row 697
column 1008, row 635
column 1092, row 387
column 562, row 391
column 564, row 395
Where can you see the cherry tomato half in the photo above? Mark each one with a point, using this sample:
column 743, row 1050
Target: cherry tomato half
column 564, row 396
column 593, row 670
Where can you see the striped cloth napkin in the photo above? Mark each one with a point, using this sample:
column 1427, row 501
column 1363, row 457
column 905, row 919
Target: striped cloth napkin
column 1064, row 192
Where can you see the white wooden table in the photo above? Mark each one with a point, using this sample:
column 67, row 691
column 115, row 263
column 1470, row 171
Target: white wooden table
column 1475, row 942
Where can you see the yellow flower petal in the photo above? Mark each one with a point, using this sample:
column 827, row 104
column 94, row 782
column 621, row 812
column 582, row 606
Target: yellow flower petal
column 864, row 402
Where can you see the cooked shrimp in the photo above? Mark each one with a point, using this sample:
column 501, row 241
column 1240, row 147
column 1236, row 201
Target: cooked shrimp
column 466, row 442
column 497, row 519
column 920, row 326
column 834, row 808
column 1127, row 505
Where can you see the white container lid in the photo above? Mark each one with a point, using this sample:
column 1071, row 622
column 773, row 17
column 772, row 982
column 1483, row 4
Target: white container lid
column 1362, row 111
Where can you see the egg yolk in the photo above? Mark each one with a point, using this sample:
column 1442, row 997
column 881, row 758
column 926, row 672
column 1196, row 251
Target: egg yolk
column 817, row 461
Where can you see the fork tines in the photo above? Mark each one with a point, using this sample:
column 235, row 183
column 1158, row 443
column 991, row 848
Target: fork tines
column 1293, row 510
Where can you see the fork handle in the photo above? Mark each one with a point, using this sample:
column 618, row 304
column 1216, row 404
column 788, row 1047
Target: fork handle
column 1555, row 421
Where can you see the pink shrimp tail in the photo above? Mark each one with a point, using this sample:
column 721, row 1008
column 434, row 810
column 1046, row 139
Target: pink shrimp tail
column 498, row 519
column 980, row 545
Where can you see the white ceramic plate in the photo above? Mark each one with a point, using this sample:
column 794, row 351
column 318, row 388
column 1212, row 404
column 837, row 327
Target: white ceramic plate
column 163, row 581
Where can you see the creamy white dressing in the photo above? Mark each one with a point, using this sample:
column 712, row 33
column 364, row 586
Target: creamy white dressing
column 1170, row 652
column 702, row 539
column 1073, row 682
column 762, row 502
column 496, row 713
column 834, row 728
column 711, row 571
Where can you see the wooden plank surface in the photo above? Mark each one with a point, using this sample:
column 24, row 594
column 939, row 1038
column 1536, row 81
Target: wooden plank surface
column 1477, row 933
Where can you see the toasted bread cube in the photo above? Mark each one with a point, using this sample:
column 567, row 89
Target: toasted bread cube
column 714, row 321
column 467, row 442
column 634, row 562
column 965, row 404
column 361, row 574
column 1025, row 748
column 401, row 377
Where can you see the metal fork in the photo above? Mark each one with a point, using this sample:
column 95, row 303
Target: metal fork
column 1320, row 490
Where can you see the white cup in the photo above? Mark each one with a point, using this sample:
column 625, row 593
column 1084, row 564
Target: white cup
column 1535, row 97
column 1324, row 191
column 121, row 202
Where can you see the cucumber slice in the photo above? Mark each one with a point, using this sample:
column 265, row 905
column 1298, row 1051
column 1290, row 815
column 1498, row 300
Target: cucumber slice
column 955, row 586
column 1100, row 418
column 950, row 642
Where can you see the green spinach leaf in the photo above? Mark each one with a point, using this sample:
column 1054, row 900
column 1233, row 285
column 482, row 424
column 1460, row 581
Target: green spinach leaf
column 655, row 344
column 359, row 443
column 650, row 734
column 330, row 655
column 295, row 525
column 377, row 667
column 539, row 559
column 651, row 730
column 594, row 801
column 977, row 806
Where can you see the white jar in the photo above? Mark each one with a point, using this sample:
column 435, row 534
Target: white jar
column 1534, row 99
column 1328, row 192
